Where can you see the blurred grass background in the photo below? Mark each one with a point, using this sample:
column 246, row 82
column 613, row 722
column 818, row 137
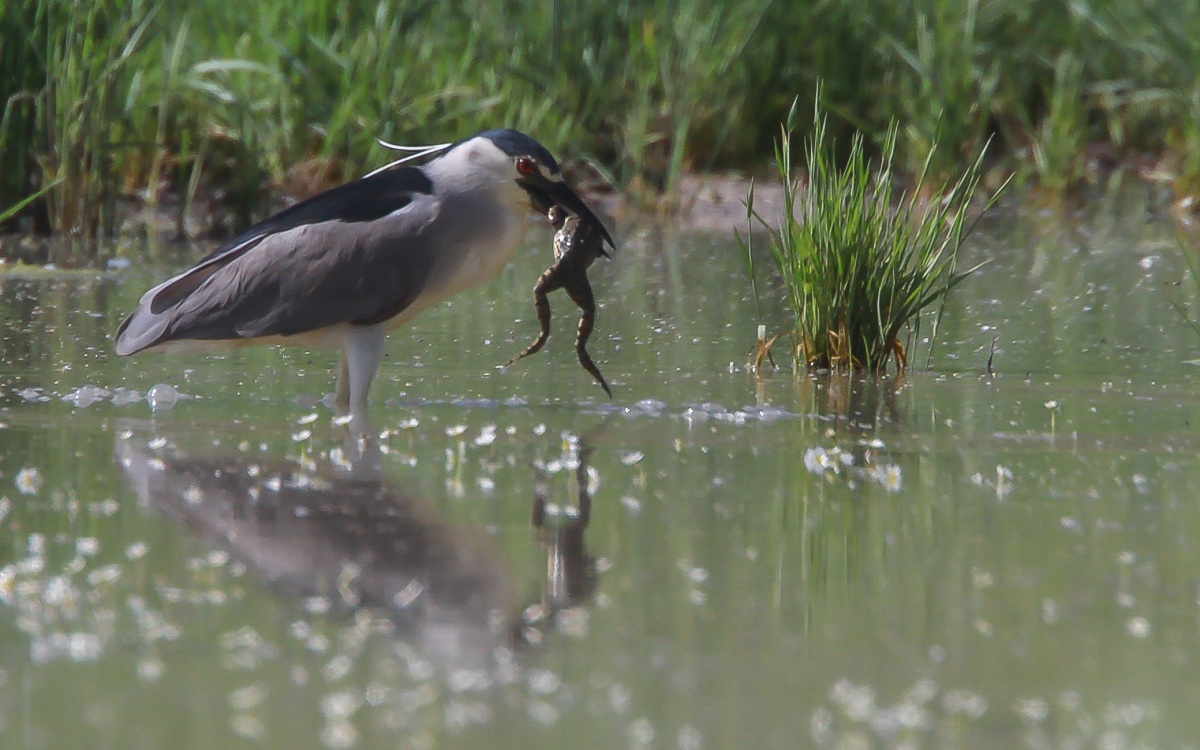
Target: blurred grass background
column 242, row 102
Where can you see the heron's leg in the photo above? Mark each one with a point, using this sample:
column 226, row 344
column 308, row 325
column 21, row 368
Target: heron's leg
column 341, row 398
column 362, row 351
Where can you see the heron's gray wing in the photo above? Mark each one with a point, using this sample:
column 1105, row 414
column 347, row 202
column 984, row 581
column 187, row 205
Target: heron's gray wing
column 312, row 239
column 365, row 199
column 315, row 276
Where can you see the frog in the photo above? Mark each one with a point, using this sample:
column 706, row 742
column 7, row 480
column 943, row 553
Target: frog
column 577, row 245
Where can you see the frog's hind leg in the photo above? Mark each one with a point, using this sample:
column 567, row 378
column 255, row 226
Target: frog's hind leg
column 581, row 294
column 541, row 303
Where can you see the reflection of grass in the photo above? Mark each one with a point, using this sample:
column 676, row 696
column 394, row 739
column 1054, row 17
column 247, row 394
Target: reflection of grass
column 858, row 265
column 1191, row 256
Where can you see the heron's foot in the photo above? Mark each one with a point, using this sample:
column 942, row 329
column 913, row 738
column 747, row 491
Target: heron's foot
column 359, row 454
column 356, row 422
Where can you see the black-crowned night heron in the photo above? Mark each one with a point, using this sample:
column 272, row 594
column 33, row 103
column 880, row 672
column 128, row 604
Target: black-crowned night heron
column 341, row 269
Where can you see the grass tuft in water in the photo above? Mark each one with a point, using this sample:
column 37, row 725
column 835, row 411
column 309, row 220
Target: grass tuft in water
column 859, row 264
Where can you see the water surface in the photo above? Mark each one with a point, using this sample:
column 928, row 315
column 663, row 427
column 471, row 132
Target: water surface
column 709, row 560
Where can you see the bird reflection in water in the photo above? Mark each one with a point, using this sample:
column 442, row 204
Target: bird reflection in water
column 317, row 529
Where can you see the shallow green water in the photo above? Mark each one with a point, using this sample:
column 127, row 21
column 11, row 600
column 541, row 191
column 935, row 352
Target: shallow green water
column 950, row 561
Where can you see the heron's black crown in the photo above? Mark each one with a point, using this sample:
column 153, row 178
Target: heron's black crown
column 516, row 143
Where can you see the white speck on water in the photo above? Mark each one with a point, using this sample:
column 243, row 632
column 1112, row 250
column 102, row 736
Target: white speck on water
column 317, row 643
column 336, row 669
column 818, row 461
column 487, row 435
column 468, row 680
column 150, row 669
column 136, row 551
column 1004, row 483
column 456, row 430
column 981, row 579
column 247, row 698
column 407, row 595
column 87, row 545
column 157, row 444
column 543, row 713
column 317, row 605
column 339, row 735
column 539, row 429
column 162, row 397
column 1138, row 627
column 1126, row 600
column 29, row 481
column 1071, row 701
column 1130, row 714
column 821, row 725
column 77, row 647
column 1049, row 611
column 193, row 495
column 107, row 574
column 966, row 702
column 690, row 738
column 641, row 732
column 420, row 670
column 301, row 436
column 857, row 702
column 889, row 476
column 543, row 681
column 1141, row 483
column 629, row 458
column 250, row 727
column 1032, row 709
column 572, row 621
column 619, row 698
column 632, row 504
column 5, row 507
column 308, row 418
column 107, row 507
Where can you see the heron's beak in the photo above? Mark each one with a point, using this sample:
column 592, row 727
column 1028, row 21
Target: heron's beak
column 544, row 193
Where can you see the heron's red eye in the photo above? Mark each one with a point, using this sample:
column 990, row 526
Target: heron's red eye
column 527, row 167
